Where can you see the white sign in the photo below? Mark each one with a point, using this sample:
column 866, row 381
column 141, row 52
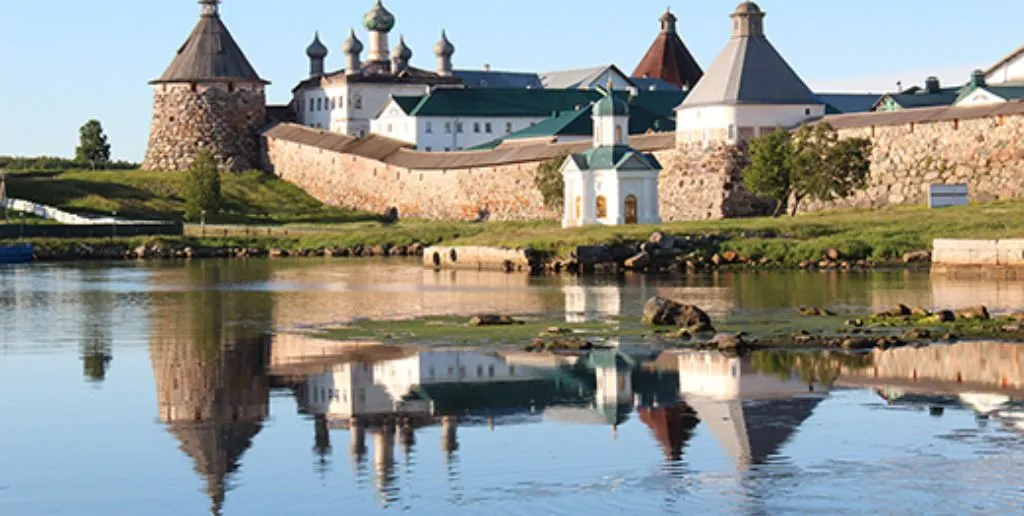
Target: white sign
column 943, row 196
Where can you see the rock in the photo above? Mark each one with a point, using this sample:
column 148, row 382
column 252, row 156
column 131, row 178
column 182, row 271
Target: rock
column 975, row 313
column 858, row 343
column 659, row 311
column 728, row 343
column 492, row 320
column 918, row 311
column 814, row 312
column 400, row 250
column 1018, row 316
column 944, row 316
column 730, row 257
column 917, row 334
column 639, row 262
column 717, row 260
column 416, row 249
column 1013, row 328
column 682, row 334
column 806, row 264
column 142, row 252
column 565, row 344
column 278, row 253
column 379, row 250
column 950, row 337
column 555, row 330
column 900, row 310
column 662, row 241
column 917, row 257
column 833, row 255
column 854, row 323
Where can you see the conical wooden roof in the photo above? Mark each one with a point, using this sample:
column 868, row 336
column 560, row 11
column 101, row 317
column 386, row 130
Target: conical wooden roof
column 210, row 54
column 668, row 58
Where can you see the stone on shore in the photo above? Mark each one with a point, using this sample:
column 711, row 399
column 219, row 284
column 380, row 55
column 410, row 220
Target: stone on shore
column 974, row 313
column 659, row 311
column 492, row 320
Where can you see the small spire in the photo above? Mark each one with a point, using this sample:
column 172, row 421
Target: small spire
column 316, row 49
column 352, row 45
column 208, row 7
column 402, row 51
column 444, row 47
column 668, row 21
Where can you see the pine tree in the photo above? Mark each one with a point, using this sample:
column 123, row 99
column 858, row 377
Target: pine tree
column 202, row 187
column 93, row 147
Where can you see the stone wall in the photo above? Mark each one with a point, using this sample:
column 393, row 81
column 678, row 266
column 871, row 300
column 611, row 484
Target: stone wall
column 225, row 118
column 984, row 153
column 507, row 191
column 700, row 183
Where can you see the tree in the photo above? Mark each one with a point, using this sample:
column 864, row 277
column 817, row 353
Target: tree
column 812, row 163
column 769, row 173
column 202, row 186
column 93, row 147
column 550, row 182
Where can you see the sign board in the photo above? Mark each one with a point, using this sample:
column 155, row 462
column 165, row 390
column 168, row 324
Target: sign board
column 943, row 196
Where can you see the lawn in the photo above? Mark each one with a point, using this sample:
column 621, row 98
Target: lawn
column 250, row 197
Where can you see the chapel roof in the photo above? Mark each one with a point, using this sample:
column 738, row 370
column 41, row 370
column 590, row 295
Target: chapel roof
column 209, row 54
column 749, row 70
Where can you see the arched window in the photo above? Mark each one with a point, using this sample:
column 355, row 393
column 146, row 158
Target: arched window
column 632, row 213
column 618, row 134
column 602, row 207
column 358, row 101
column 579, row 207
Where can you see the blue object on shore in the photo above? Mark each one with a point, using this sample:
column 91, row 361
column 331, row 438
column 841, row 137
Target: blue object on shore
column 12, row 254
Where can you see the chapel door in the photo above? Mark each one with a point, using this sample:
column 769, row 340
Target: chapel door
column 631, row 209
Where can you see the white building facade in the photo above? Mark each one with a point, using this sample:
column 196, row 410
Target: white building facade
column 611, row 183
column 444, row 133
column 748, row 90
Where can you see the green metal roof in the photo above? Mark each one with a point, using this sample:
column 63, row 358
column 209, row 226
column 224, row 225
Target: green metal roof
column 609, row 157
column 495, row 102
column 408, row 103
column 1011, row 92
column 611, row 106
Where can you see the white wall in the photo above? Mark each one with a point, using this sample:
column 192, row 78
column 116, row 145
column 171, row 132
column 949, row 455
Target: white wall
column 723, row 123
column 980, row 97
column 589, row 303
column 1011, row 71
column 354, row 104
column 439, row 134
column 716, row 376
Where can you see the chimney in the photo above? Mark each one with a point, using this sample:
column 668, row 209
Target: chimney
column 487, row 67
column 932, row 85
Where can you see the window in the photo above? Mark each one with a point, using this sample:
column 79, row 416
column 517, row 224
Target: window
column 312, row 104
column 479, row 371
column 602, row 207
column 451, row 372
column 341, row 102
column 508, row 127
column 389, row 128
column 447, row 149
column 462, row 372
column 487, row 128
column 618, row 133
column 430, row 128
column 579, row 207
column 631, row 209
column 476, row 127
column 358, row 100
column 331, row 102
column 807, row 111
column 458, row 127
column 428, row 149
column 732, row 132
column 490, row 371
column 319, row 104
column 447, row 127
column 431, row 372
column 511, row 370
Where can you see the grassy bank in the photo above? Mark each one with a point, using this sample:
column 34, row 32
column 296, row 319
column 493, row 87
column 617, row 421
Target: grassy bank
column 858, row 234
column 250, row 197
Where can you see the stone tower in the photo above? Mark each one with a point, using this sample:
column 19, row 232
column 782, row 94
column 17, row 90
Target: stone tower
column 209, row 97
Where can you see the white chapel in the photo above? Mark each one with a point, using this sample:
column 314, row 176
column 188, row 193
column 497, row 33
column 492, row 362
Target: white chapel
column 611, row 183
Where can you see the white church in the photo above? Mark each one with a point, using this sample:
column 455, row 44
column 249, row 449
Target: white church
column 611, row 183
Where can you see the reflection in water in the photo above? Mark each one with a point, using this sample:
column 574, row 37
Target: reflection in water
column 212, row 390
column 431, row 409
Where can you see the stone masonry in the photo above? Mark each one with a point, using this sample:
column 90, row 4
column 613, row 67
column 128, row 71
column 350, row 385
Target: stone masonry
column 986, row 154
column 701, row 183
column 225, row 118
column 507, row 192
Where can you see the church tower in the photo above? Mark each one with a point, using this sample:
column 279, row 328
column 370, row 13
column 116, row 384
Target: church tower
column 209, row 97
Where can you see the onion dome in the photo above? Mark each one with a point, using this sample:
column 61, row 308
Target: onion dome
column 611, row 106
column 316, row 49
column 748, row 8
column 444, row 47
column 352, row 45
column 379, row 19
column 402, row 51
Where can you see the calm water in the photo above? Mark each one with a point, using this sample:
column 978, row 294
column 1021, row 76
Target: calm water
column 178, row 389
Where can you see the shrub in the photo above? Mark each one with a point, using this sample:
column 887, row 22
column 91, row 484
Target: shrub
column 202, row 186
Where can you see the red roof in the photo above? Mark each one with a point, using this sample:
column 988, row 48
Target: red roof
column 669, row 60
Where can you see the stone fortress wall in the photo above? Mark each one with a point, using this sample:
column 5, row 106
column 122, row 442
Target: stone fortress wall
column 223, row 117
column 982, row 147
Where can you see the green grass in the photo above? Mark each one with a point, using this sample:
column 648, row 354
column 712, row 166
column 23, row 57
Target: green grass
column 250, row 197
column 859, row 234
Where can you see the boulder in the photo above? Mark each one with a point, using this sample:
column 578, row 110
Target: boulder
column 142, row 252
column 278, row 253
column 833, row 255
column 729, row 343
column 1019, row 317
column 492, row 320
column 858, row 343
column 917, row 257
column 814, row 312
column 659, row 311
column 918, row 311
column 944, row 316
column 639, row 262
column 416, row 249
column 899, row 310
column 730, row 257
column 975, row 313
column 662, row 240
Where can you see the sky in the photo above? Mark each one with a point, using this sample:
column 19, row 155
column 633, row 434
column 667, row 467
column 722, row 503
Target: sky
column 63, row 62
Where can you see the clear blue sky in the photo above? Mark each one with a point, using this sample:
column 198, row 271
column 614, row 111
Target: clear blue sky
column 65, row 61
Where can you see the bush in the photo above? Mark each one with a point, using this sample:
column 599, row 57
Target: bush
column 55, row 163
column 202, row 187
column 550, row 182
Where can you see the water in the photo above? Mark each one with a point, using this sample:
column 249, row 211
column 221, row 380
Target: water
column 157, row 388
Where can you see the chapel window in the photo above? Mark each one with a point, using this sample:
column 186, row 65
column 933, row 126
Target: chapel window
column 602, row 207
column 487, row 128
column 430, row 128
column 476, row 127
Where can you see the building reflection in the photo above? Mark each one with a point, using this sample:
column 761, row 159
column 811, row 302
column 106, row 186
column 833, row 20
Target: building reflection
column 210, row 371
